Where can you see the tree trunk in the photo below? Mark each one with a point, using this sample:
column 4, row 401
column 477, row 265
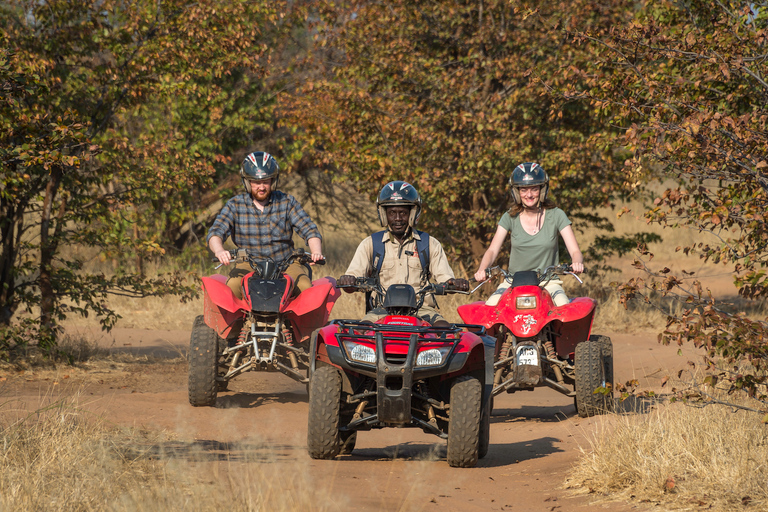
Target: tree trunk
column 48, row 247
column 9, row 219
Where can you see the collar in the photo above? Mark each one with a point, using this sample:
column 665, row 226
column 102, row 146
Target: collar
column 411, row 234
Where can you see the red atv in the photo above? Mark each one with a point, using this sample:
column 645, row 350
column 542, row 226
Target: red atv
column 274, row 329
column 400, row 372
column 540, row 344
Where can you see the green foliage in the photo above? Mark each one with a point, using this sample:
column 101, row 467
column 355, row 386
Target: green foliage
column 113, row 117
column 451, row 96
column 687, row 84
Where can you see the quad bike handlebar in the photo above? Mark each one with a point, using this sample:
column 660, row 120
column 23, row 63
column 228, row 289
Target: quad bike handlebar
column 260, row 265
column 372, row 285
column 549, row 273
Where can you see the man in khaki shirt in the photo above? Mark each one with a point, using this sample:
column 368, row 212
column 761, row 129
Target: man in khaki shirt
column 399, row 207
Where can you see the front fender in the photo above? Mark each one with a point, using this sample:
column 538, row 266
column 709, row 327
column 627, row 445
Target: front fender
column 478, row 313
column 221, row 309
column 318, row 345
column 577, row 317
column 312, row 307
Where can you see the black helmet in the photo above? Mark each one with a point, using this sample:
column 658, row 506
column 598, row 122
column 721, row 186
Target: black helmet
column 399, row 193
column 528, row 174
column 259, row 166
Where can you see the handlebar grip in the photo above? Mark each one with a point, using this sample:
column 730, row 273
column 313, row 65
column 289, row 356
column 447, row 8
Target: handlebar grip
column 232, row 256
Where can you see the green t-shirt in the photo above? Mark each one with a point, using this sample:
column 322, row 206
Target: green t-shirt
column 539, row 251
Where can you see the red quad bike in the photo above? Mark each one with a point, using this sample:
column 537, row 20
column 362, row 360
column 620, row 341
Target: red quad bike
column 274, row 329
column 400, row 372
column 540, row 344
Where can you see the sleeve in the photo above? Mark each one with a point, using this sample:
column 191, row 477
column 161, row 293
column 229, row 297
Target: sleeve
column 561, row 220
column 360, row 266
column 506, row 222
column 224, row 223
column 438, row 262
column 301, row 221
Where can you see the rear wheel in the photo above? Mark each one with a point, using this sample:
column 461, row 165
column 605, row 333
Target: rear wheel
column 594, row 369
column 203, row 355
column 464, row 422
column 323, row 439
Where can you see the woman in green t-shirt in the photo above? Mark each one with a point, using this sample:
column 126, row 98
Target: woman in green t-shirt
column 534, row 223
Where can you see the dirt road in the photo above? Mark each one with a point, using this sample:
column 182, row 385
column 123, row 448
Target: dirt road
column 535, row 436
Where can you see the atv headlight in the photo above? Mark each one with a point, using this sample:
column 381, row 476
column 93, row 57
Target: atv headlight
column 361, row 353
column 432, row 357
column 526, row 302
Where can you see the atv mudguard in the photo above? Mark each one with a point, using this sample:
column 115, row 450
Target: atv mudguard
column 221, row 309
column 312, row 307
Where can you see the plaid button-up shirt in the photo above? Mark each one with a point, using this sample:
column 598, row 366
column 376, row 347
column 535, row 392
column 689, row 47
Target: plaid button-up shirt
column 264, row 234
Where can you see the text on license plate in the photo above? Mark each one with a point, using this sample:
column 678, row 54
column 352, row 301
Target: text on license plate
column 527, row 355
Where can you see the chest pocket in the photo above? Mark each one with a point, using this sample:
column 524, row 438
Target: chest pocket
column 414, row 265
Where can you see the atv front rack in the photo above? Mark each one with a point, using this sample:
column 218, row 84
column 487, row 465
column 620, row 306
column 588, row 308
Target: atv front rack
column 395, row 374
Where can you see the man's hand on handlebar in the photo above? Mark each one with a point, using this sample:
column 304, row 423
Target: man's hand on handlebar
column 346, row 281
column 224, row 257
column 461, row 285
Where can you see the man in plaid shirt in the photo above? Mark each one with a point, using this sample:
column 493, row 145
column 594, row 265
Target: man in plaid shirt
column 262, row 221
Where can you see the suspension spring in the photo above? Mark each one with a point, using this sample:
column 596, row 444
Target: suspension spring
column 502, row 354
column 551, row 355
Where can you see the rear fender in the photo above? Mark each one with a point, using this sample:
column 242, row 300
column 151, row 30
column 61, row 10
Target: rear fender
column 312, row 308
column 221, row 309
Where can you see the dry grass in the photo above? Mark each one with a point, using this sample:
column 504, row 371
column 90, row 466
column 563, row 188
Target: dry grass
column 678, row 457
column 60, row 458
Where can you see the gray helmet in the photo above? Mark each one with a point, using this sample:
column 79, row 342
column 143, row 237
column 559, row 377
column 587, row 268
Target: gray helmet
column 399, row 193
column 528, row 174
column 259, row 166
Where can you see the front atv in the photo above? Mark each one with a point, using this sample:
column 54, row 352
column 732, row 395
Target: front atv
column 401, row 372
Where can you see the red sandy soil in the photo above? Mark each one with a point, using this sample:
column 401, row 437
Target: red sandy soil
column 536, row 436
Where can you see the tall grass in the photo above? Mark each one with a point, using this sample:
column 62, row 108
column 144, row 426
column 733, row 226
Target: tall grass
column 679, row 457
column 60, row 458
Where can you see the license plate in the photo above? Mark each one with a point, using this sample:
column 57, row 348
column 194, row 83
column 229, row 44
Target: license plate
column 527, row 355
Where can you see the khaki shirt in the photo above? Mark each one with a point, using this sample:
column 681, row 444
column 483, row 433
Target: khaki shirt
column 401, row 264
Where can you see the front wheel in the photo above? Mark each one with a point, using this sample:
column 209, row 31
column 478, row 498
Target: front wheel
column 485, row 430
column 203, row 355
column 594, row 370
column 323, row 439
column 464, row 422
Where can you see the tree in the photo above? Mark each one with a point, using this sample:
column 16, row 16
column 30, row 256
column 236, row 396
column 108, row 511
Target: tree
column 451, row 96
column 113, row 117
column 687, row 83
